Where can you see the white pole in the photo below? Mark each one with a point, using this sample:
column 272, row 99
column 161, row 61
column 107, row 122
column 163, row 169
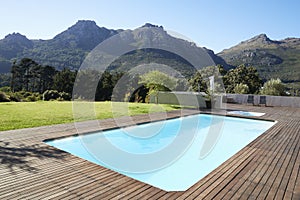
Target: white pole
column 212, row 83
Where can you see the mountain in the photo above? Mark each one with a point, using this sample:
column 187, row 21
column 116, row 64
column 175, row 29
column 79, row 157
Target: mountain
column 70, row 47
column 84, row 35
column 12, row 46
column 273, row 59
column 67, row 49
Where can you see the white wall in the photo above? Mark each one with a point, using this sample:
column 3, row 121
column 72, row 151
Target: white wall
column 179, row 98
column 198, row 100
column 271, row 100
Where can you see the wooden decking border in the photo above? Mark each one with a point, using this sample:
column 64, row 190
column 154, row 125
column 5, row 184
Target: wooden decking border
column 269, row 167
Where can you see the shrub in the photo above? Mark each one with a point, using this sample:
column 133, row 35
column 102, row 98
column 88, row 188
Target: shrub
column 60, row 99
column 64, row 96
column 24, row 96
column 3, row 97
column 5, row 89
column 55, row 95
column 273, row 87
column 50, row 95
column 17, row 97
column 33, row 97
column 241, row 89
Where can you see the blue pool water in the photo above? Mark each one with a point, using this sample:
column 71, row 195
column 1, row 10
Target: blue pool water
column 173, row 154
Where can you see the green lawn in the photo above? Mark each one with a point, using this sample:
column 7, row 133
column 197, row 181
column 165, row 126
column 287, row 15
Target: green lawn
column 16, row 115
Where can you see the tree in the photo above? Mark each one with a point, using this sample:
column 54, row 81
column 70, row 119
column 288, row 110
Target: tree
column 5, row 79
column 125, row 87
column 273, row 87
column 199, row 82
column 241, row 89
column 47, row 78
column 23, row 75
column 64, row 81
column 106, row 85
column 156, row 81
column 28, row 75
column 243, row 75
column 86, row 80
column 34, row 78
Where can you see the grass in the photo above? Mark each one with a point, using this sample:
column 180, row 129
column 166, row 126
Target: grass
column 16, row 115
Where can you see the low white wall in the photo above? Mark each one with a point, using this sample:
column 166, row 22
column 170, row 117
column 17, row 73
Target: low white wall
column 271, row 100
column 198, row 100
column 185, row 99
column 179, row 98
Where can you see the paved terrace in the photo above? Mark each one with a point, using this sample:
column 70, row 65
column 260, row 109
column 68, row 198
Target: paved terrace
column 269, row 167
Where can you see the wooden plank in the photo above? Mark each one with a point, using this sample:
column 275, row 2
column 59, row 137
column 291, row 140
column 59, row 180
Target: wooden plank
column 79, row 180
column 259, row 168
column 102, row 193
column 292, row 181
column 19, row 175
column 282, row 155
column 296, row 192
column 269, row 178
column 134, row 187
column 141, row 195
column 54, row 180
column 239, row 183
column 158, row 195
column 27, row 182
column 287, row 169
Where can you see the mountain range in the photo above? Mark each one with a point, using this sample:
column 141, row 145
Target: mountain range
column 273, row 59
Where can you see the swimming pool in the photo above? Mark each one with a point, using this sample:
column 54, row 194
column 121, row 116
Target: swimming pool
column 167, row 154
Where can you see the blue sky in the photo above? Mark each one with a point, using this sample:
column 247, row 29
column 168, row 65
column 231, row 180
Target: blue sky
column 215, row 24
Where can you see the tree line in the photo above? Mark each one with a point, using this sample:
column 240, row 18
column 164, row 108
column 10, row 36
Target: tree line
column 28, row 77
column 240, row 80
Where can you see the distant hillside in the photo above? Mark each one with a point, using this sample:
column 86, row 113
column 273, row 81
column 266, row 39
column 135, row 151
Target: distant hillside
column 273, row 59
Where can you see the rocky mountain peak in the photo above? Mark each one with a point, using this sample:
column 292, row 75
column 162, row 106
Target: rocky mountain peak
column 17, row 38
column 83, row 25
column 81, row 28
column 262, row 36
column 85, row 22
column 260, row 39
column 85, row 34
column 149, row 25
column 292, row 42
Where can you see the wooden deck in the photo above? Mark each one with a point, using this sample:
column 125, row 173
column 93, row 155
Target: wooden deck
column 269, row 167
